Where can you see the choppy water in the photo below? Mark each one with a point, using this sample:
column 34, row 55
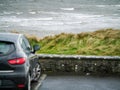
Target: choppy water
column 47, row 17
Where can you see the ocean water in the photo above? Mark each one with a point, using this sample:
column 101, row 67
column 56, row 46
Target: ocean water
column 49, row 17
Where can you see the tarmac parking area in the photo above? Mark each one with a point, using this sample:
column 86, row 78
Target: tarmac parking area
column 80, row 83
column 76, row 82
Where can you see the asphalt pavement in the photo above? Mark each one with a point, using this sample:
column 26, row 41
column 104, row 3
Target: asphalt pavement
column 86, row 82
column 36, row 85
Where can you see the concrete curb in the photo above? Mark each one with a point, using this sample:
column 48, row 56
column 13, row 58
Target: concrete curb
column 78, row 57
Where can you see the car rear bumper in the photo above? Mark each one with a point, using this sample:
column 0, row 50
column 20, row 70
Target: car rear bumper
column 12, row 79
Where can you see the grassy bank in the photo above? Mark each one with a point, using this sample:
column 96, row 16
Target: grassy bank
column 101, row 42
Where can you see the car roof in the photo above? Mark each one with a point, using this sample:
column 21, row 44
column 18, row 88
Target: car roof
column 11, row 37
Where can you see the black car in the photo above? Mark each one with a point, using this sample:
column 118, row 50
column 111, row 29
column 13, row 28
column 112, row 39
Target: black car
column 19, row 64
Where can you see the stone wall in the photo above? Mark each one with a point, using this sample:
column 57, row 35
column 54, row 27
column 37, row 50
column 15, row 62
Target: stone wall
column 80, row 64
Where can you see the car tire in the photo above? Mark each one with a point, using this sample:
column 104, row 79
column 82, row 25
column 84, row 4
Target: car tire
column 37, row 72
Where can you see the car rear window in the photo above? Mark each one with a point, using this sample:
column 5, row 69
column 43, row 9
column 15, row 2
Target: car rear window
column 6, row 47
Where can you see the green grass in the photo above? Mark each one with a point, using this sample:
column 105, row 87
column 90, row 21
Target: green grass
column 101, row 42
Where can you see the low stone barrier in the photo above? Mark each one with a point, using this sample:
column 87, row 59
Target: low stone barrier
column 80, row 64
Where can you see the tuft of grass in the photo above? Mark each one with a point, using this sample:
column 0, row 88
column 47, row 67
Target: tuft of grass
column 100, row 42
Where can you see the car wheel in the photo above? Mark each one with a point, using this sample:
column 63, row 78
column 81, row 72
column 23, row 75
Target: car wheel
column 37, row 72
column 28, row 84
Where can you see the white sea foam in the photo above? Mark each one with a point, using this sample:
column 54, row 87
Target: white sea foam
column 32, row 12
column 37, row 24
column 18, row 13
column 11, row 12
column 43, row 19
column 1, row 4
column 63, row 20
column 78, row 16
column 15, row 19
column 68, row 9
column 50, row 12
column 114, row 5
column 7, row 13
column 10, row 19
column 115, row 14
column 72, row 23
column 4, row 26
column 101, row 6
column 117, row 5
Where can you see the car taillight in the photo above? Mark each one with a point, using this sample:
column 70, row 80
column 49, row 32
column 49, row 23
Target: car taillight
column 21, row 85
column 17, row 61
